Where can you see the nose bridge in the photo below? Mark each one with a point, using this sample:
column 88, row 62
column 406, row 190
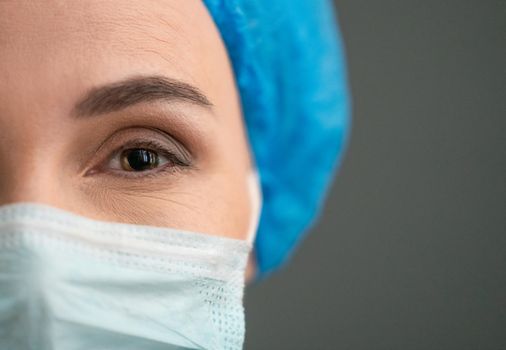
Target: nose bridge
column 28, row 186
column 33, row 128
column 27, row 171
column 29, row 141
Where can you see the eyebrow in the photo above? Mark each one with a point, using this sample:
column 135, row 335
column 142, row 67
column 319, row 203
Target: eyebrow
column 137, row 89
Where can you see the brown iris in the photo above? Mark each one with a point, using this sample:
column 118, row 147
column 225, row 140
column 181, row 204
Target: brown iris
column 139, row 159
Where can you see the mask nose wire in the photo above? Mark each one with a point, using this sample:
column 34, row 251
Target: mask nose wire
column 255, row 194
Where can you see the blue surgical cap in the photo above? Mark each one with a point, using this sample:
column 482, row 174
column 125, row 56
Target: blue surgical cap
column 289, row 66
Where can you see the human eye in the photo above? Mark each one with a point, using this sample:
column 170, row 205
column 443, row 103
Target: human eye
column 138, row 154
column 143, row 157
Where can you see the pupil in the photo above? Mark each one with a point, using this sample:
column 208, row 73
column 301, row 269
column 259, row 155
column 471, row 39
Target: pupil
column 141, row 159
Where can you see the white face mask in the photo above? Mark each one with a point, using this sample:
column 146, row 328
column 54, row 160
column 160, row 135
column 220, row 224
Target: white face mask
column 68, row 282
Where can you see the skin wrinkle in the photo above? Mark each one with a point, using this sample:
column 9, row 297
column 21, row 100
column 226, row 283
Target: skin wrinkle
column 116, row 202
column 174, row 32
column 140, row 213
column 192, row 208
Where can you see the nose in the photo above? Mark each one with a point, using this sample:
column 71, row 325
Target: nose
column 27, row 179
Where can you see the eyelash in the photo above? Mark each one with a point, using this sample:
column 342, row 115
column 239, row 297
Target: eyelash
column 175, row 163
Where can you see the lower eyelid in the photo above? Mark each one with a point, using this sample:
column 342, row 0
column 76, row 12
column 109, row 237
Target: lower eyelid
column 147, row 174
column 164, row 171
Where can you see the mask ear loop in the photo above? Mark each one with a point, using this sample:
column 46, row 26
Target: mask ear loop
column 255, row 194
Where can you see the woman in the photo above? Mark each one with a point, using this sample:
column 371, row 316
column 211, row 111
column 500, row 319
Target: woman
column 139, row 142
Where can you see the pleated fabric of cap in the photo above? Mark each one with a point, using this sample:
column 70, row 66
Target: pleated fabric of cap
column 290, row 70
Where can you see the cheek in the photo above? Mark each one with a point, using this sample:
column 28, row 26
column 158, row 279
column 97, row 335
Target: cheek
column 216, row 203
column 228, row 209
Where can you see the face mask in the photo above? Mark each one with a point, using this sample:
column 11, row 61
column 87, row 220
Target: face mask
column 68, row 282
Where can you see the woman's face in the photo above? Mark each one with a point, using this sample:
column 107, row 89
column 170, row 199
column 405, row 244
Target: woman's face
column 123, row 111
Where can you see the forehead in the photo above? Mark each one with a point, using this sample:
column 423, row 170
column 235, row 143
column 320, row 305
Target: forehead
column 84, row 42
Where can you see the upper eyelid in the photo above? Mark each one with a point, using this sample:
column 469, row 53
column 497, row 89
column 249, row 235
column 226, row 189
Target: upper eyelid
column 149, row 144
column 142, row 140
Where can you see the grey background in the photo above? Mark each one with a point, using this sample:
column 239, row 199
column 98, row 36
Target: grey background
column 410, row 251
